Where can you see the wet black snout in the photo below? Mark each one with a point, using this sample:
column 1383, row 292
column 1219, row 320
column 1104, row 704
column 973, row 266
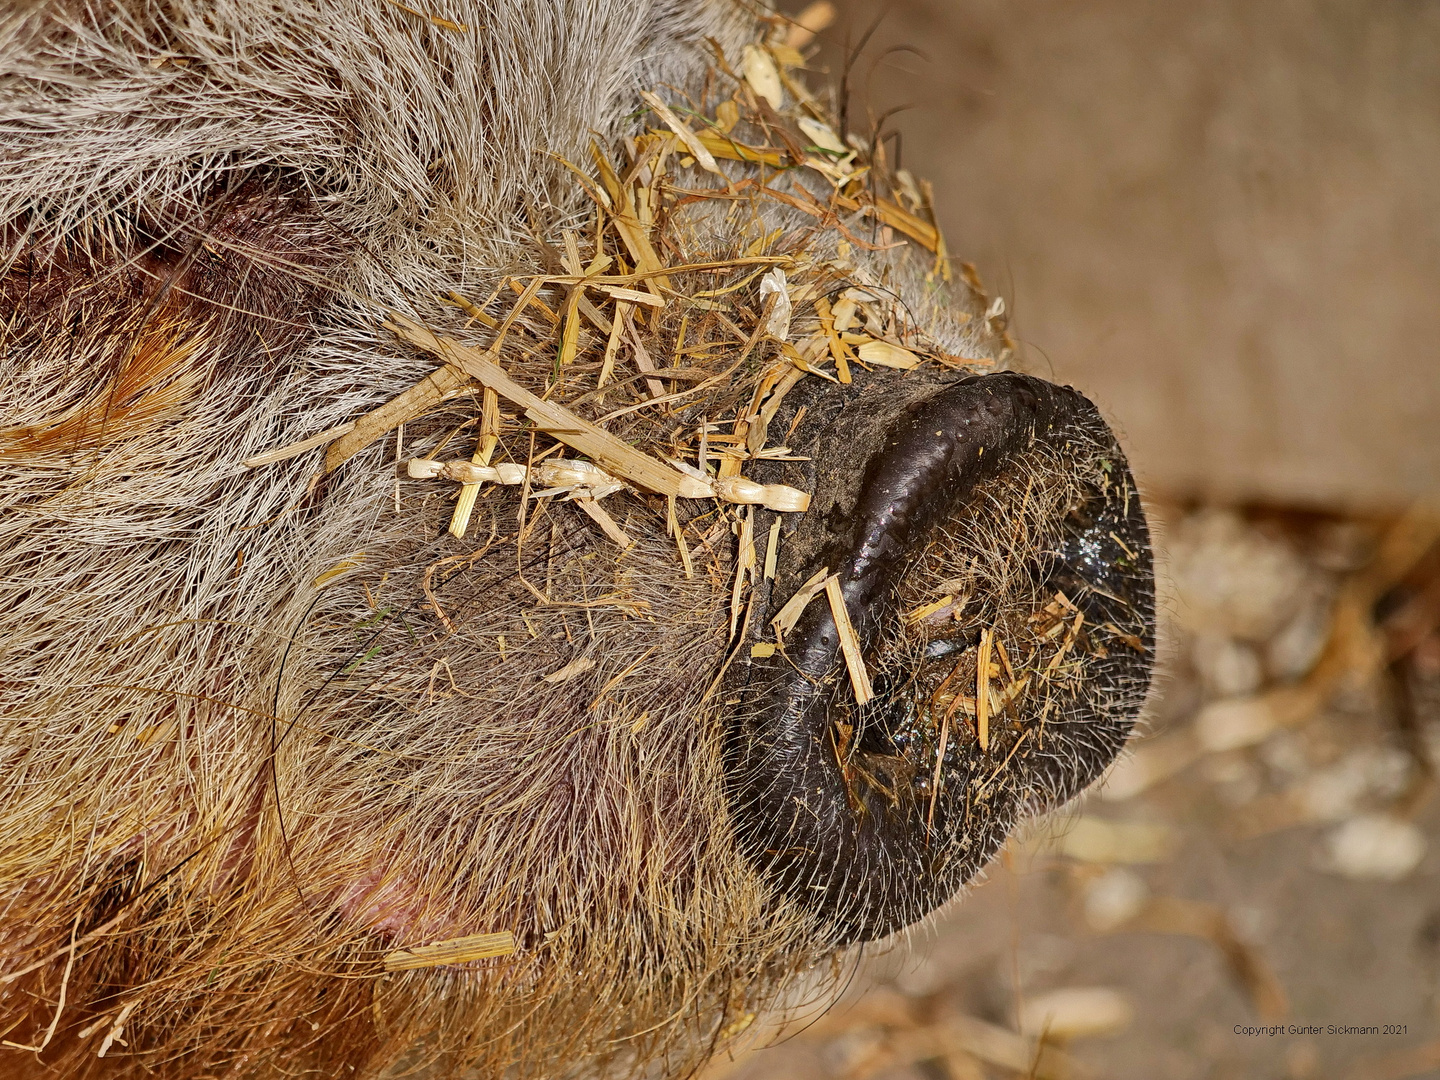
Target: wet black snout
column 993, row 560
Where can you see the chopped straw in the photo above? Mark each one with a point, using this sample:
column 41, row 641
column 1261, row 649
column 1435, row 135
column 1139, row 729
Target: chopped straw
column 459, row 950
column 982, row 689
column 611, row 453
column 789, row 614
column 489, row 437
column 849, row 641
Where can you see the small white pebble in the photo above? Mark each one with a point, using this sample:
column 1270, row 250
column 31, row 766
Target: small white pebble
column 1233, row 723
column 1096, row 840
column 1374, row 847
column 1228, row 667
column 1076, row 1012
column 1114, row 898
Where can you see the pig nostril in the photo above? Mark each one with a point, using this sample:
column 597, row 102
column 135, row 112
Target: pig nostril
column 994, row 561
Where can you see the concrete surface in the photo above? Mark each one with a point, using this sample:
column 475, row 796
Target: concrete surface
column 1220, row 219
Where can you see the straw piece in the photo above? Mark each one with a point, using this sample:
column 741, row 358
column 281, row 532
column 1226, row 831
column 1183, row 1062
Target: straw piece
column 295, row 449
column 672, row 525
column 454, row 951
column 788, row 615
column 421, row 397
column 570, row 335
column 728, row 149
column 474, row 311
column 849, row 641
column 527, row 296
column 697, row 149
column 772, row 549
column 632, row 296
column 642, row 359
column 602, row 280
column 414, row 402
column 489, row 438
column 435, row 20
column 762, row 75
column 343, row 566
column 627, row 224
column 924, row 611
column 573, row 669
column 839, row 351
column 939, row 776
column 982, row 689
column 608, row 524
column 746, row 562
column 812, row 19
column 884, row 354
column 919, row 230
column 942, row 254
column 609, row 452
column 778, row 497
column 612, row 346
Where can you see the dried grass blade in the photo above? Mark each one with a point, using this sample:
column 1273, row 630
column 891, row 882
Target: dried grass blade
column 604, row 448
column 772, row 549
column 489, row 438
column 295, row 449
column 416, row 401
column 474, row 310
column 702, row 156
column 673, row 523
column 612, row 346
column 642, row 359
column 632, row 296
column 849, row 641
column 743, row 565
column 455, row 951
column 788, row 615
column 721, row 146
column 982, row 689
column 570, row 336
column 903, row 221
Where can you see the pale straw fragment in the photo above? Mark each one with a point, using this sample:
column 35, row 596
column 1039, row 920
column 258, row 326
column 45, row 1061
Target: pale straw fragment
column 489, row 439
column 772, row 550
column 672, row 526
column 612, row 346
column 295, row 449
column 608, row 451
column 642, row 359
column 459, row 950
column 849, row 641
column 884, row 354
column 631, row 296
column 745, row 564
column 424, row 395
column 591, row 481
column 789, row 614
column 571, row 670
column 697, row 149
column 982, row 689
column 608, row 525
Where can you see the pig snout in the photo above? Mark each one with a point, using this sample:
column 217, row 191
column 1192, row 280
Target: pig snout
column 994, row 518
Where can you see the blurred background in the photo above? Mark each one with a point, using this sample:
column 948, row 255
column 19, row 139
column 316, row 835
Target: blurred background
column 1220, row 220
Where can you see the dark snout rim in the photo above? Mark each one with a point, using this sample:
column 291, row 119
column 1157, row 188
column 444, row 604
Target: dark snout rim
column 867, row 869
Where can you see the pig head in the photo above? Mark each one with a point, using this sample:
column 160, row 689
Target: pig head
column 517, row 548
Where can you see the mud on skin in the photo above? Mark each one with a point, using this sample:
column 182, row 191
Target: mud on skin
column 261, row 728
